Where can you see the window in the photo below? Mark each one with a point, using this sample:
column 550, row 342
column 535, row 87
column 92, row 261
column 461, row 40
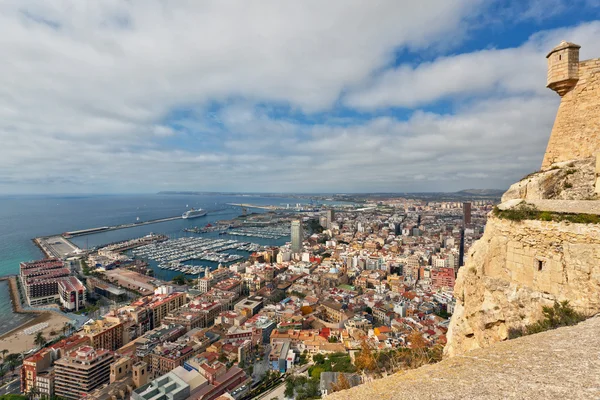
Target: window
column 539, row 264
column 559, row 57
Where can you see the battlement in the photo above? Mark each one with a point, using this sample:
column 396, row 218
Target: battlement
column 576, row 131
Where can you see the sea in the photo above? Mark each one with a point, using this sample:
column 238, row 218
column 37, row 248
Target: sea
column 24, row 217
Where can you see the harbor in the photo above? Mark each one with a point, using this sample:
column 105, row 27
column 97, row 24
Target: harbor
column 60, row 245
column 177, row 254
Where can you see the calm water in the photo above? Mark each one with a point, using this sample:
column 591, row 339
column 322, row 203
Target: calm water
column 25, row 217
column 8, row 319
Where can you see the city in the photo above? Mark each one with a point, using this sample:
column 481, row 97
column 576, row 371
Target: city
column 379, row 275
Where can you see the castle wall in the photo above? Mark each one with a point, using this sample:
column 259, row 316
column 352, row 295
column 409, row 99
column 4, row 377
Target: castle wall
column 514, row 270
column 576, row 130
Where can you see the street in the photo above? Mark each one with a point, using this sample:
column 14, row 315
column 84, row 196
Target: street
column 261, row 367
column 13, row 387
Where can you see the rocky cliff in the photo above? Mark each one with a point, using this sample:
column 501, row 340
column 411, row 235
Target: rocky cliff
column 515, row 269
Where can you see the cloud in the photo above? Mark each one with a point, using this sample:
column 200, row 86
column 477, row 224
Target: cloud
column 218, row 95
column 519, row 70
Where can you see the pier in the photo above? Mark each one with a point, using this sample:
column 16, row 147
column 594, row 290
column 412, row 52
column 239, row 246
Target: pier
column 59, row 245
column 255, row 206
column 115, row 227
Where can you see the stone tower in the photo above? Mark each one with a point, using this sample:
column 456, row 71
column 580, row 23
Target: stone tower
column 140, row 374
column 563, row 67
column 576, row 131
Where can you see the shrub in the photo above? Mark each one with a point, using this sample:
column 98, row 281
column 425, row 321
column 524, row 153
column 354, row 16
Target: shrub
column 560, row 314
column 570, row 171
column 568, row 185
column 528, row 212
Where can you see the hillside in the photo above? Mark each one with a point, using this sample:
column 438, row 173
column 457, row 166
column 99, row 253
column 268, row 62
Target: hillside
column 558, row 364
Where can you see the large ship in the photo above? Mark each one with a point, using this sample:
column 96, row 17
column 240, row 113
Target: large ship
column 193, row 214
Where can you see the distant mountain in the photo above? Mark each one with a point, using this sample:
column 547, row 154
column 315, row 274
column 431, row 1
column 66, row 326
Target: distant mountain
column 482, row 192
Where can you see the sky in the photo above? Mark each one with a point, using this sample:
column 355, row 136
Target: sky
column 140, row 96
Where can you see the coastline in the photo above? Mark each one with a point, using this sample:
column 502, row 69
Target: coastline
column 16, row 340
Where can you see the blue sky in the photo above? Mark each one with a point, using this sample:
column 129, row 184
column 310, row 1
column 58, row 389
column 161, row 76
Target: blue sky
column 279, row 96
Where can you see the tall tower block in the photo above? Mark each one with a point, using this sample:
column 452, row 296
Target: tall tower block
column 563, row 67
column 576, row 131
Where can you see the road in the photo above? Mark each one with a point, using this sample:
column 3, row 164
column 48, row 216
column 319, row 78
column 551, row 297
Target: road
column 261, row 367
column 276, row 392
column 13, row 387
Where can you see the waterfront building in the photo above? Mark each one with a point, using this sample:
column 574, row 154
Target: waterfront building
column 41, row 364
column 297, row 236
column 71, row 293
column 81, row 371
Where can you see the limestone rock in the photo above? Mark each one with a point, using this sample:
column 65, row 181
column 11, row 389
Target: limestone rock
column 514, row 270
column 569, row 180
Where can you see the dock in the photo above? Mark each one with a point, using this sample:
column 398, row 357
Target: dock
column 255, row 206
column 115, row 227
column 59, row 245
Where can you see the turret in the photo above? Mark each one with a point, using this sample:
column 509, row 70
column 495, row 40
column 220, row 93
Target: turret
column 563, row 67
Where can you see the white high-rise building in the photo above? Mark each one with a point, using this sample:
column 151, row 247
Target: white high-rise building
column 297, row 236
column 330, row 218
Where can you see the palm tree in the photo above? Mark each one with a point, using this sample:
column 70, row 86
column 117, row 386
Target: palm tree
column 39, row 340
column 67, row 328
column 12, row 363
column 33, row 393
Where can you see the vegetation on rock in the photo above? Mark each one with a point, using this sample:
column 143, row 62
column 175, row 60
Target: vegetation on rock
column 524, row 212
column 560, row 314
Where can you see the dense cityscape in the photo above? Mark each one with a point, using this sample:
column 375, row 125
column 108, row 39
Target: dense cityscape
column 358, row 293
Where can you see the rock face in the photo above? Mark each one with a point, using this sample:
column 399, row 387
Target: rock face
column 569, row 180
column 515, row 269
column 558, row 364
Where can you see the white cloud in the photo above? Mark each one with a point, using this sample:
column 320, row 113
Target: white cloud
column 91, row 94
column 496, row 71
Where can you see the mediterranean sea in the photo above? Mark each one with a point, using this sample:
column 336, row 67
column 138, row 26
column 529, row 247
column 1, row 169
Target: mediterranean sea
column 23, row 217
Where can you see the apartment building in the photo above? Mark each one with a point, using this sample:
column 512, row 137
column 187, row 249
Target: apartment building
column 106, row 333
column 81, row 371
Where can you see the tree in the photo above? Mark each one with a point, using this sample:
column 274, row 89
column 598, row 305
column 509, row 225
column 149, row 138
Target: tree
column 319, row 358
column 315, row 373
column 66, row 329
column 365, row 359
column 4, row 353
column 289, row 388
column 33, row 392
column 342, row 383
column 39, row 340
column 179, row 279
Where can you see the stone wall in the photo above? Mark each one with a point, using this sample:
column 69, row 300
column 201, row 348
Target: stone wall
column 576, row 131
column 514, row 270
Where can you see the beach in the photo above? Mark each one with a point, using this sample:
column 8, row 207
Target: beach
column 18, row 341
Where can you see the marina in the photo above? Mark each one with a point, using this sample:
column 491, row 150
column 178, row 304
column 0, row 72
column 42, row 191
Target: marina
column 175, row 254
